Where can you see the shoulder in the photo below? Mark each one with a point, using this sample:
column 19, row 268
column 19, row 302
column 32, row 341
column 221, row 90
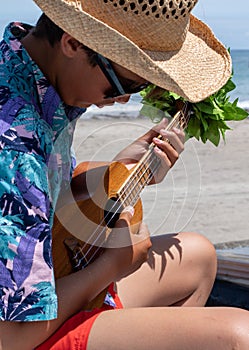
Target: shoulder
column 22, row 129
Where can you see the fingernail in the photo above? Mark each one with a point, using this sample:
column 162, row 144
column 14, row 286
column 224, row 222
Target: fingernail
column 158, row 150
column 158, row 141
column 129, row 209
column 176, row 130
column 166, row 133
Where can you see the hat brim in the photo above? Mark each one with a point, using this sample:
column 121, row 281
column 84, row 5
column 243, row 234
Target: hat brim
column 198, row 69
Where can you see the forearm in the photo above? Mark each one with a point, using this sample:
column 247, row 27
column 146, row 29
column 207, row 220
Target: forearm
column 74, row 291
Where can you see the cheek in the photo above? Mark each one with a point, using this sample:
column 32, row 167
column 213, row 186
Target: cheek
column 78, row 93
column 91, row 91
column 89, row 87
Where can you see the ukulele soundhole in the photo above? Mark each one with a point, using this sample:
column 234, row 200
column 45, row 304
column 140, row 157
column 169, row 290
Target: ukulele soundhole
column 112, row 211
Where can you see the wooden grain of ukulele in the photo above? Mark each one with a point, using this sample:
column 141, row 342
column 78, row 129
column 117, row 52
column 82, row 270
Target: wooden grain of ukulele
column 98, row 194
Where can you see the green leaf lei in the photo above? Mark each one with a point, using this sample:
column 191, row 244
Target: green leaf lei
column 208, row 118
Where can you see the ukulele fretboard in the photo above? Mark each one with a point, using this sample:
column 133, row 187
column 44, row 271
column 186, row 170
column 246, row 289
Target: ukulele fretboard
column 144, row 171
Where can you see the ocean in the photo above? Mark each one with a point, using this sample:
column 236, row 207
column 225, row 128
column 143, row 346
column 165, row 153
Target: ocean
column 240, row 59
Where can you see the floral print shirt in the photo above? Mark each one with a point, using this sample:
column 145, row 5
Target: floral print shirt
column 36, row 130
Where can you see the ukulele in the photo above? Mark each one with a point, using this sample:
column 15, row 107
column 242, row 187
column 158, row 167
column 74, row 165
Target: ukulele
column 98, row 194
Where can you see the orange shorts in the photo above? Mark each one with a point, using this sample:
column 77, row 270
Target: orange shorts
column 74, row 333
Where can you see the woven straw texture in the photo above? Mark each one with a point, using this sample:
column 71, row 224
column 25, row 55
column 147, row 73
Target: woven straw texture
column 157, row 39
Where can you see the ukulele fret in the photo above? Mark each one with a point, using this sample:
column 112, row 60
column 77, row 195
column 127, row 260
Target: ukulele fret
column 74, row 251
column 143, row 172
column 139, row 178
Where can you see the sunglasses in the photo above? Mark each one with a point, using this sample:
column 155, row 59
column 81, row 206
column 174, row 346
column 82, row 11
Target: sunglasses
column 118, row 89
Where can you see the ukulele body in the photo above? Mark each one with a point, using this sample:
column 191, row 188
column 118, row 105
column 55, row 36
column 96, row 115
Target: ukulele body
column 81, row 224
column 99, row 191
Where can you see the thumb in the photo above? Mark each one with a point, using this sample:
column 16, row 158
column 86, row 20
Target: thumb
column 155, row 130
column 162, row 125
column 125, row 217
column 120, row 235
column 142, row 235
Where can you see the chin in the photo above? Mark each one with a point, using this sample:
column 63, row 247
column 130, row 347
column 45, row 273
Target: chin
column 84, row 105
column 80, row 104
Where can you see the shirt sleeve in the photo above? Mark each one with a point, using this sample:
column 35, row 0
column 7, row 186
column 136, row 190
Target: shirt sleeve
column 27, row 290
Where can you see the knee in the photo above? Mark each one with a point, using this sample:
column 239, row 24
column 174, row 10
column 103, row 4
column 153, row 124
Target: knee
column 202, row 253
column 237, row 328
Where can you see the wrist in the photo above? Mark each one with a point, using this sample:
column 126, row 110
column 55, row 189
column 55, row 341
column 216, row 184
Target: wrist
column 110, row 262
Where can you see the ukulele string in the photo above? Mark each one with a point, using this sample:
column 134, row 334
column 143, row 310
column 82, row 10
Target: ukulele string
column 134, row 200
column 151, row 155
column 170, row 126
column 176, row 122
column 80, row 255
column 100, row 245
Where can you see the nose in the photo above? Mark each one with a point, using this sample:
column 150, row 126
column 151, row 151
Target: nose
column 122, row 99
column 110, row 101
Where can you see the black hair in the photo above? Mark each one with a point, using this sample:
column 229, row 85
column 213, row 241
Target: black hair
column 46, row 29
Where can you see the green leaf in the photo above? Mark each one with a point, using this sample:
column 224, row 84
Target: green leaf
column 233, row 112
column 206, row 108
column 193, row 128
column 213, row 133
column 204, row 122
column 208, row 117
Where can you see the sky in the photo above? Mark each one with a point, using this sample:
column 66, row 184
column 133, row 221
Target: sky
column 227, row 18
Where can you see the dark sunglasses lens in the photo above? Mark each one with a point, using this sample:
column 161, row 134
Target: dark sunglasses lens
column 118, row 89
column 112, row 94
column 135, row 89
column 128, row 90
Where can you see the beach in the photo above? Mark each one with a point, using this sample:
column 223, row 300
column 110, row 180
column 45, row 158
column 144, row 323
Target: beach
column 207, row 191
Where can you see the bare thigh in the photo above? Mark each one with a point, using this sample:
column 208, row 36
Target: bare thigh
column 180, row 271
column 174, row 328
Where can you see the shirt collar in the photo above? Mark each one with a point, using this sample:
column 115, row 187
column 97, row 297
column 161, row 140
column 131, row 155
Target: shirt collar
column 44, row 96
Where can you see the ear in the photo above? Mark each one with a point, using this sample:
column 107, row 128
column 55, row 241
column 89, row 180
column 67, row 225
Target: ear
column 69, row 45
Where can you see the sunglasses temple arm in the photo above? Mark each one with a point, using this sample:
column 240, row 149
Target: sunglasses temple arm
column 110, row 74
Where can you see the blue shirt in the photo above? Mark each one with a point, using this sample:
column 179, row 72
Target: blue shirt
column 36, row 131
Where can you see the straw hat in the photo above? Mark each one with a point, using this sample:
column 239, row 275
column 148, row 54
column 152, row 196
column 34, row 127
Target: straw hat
column 158, row 40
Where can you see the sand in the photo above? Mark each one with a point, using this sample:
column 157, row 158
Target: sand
column 207, row 191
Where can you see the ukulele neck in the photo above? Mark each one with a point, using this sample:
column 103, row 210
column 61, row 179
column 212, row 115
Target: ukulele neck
column 142, row 174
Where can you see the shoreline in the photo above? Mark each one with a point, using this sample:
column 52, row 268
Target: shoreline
column 207, row 190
